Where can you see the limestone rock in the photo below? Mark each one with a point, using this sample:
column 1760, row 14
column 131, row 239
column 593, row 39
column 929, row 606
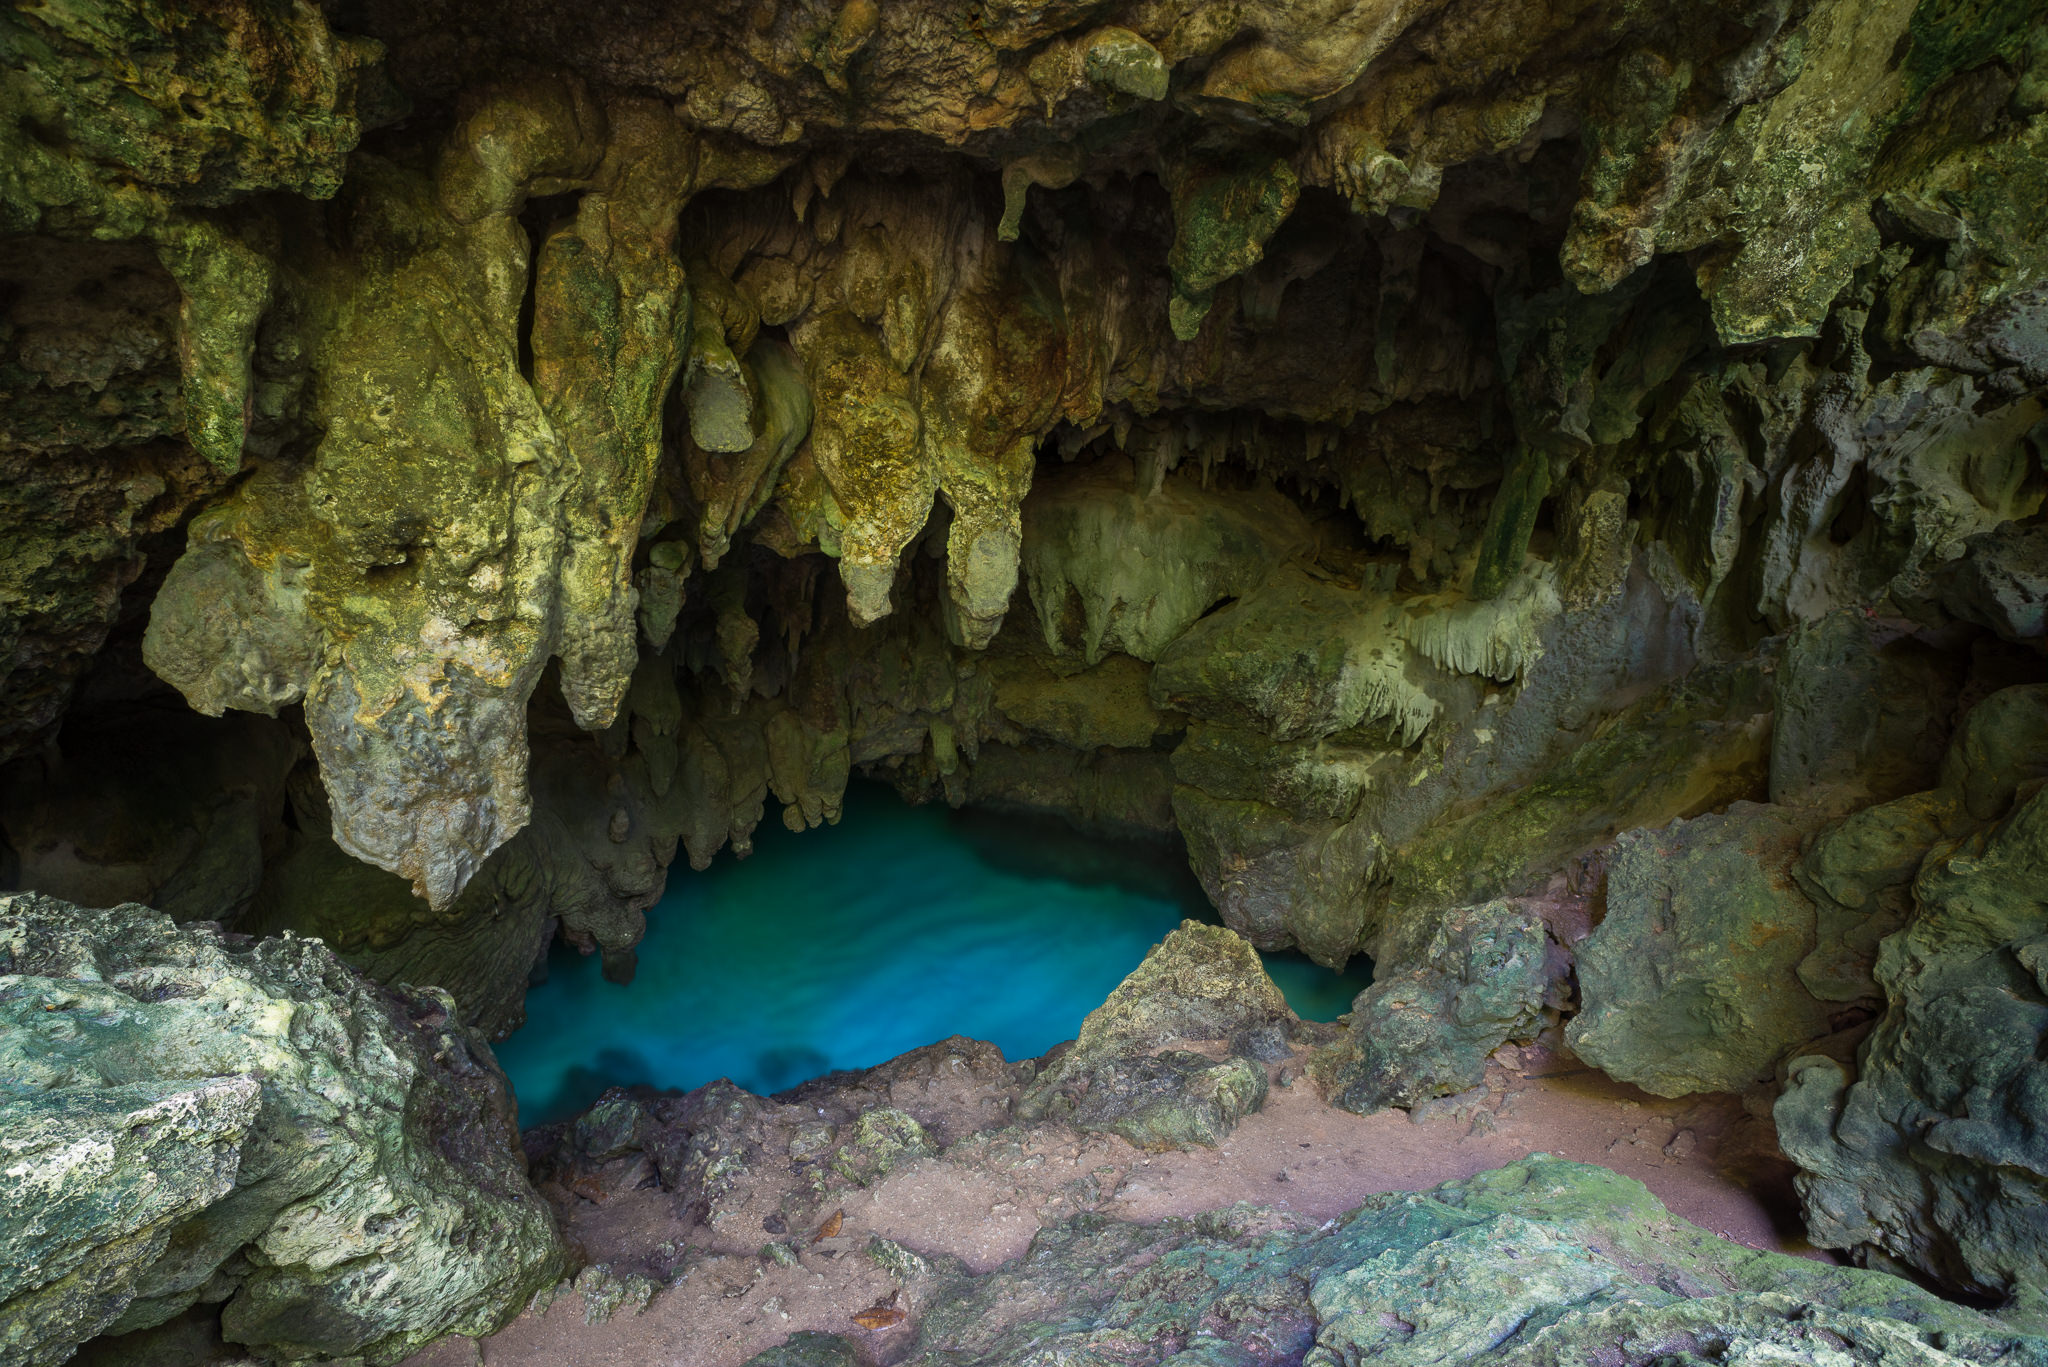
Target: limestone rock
column 98, row 136
column 1690, row 983
column 1201, row 983
column 93, row 470
column 1859, row 872
column 195, row 1117
column 1540, row 1261
column 1437, row 1009
column 1853, row 714
column 1491, row 289
column 1111, row 569
column 2001, row 582
column 1170, row 1100
column 1927, row 1155
column 808, row 1349
column 880, row 1139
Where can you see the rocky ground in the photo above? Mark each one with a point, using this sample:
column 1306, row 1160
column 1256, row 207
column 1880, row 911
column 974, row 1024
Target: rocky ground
column 713, row 1281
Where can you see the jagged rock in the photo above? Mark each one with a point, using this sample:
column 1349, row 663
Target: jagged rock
column 880, row 1139
column 1438, row 1008
column 1540, row 1261
column 281, row 112
column 1110, row 568
column 1169, row 1100
column 1120, row 1075
column 1407, row 426
column 192, row 1117
column 1691, row 982
column 1452, row 273
column 808, row 1349
column 2000, row 581
column 1927, row 1154
column 1859, row 872
column 93, row 469
column 606, row 1291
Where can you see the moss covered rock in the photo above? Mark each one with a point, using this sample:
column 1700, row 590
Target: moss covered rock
column 1540, row 1261
column 1690, row 983
column 1438, row 1008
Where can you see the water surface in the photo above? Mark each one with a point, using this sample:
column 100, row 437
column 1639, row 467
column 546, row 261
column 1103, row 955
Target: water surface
column 845, row 946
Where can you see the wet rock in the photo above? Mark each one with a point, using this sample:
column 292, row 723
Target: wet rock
column 199, row 1117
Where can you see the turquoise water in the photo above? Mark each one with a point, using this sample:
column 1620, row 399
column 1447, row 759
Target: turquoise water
column 847, row 945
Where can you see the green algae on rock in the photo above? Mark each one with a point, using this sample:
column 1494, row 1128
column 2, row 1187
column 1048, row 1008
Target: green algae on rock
column 192, row 1117
column 1541, row 1261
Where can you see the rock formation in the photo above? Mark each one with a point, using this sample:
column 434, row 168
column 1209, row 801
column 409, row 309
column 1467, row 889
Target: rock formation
column 190, row 1117
column 1538, row 1262
column 1549, row 497
column 1123, row 1074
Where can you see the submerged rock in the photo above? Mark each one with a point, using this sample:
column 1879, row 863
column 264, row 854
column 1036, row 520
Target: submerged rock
column 1538, row 1262
column 1200, row 984
column 189, row 1118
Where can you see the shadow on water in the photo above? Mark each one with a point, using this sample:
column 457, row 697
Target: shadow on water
column 580, row 1085
column 845, row 946
column 1034, row 845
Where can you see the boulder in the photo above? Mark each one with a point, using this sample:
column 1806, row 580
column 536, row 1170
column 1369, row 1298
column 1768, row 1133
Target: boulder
column 1691, row 983
column 1124, row 1074
column 1480, row 977
column 192, row 1117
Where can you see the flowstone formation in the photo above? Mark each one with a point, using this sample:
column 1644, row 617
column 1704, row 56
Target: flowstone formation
column 1549, row 499
column 191, row 1118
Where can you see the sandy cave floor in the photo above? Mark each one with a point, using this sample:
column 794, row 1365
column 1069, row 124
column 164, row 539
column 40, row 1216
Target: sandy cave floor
column 994, row 1185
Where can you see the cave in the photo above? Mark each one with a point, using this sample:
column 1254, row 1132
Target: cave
column 1004, row 926
column 1185, row 683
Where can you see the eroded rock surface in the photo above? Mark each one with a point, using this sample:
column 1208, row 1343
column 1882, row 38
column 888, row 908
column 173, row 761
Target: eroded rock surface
column 1925, row 1153
column 1413, row 453
column 1129, row 1072
column 1540, row 1261
column 189, row 1117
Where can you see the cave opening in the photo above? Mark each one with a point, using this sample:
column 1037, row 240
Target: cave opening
column 843, row 947
column 954, row 681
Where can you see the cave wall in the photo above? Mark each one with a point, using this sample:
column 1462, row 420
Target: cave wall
column 1433, row 458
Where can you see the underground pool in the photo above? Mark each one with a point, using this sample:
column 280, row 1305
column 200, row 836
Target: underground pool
column 845, row 946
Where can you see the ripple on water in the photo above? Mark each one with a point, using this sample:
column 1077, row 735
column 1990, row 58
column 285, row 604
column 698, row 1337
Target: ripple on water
column 845, row 946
